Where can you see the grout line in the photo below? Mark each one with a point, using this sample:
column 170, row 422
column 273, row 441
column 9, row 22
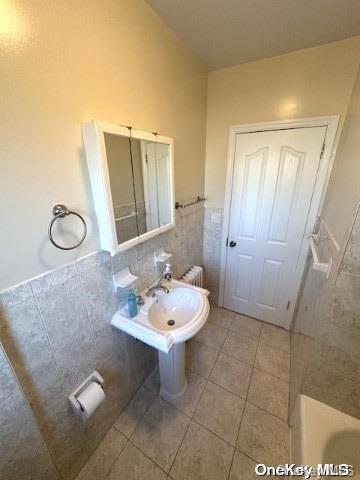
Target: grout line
column 91, row 321
column 107, row 474
column 237, row 395
column 142, row 416
column 238, row 360
column 243, row 334
column 245, row 454
column 247, row 394
column 182, row 441
column 197, row 403
column 54, row 356
column 265, row 411
column 170, row 404
column 149, row 458
column 149, row 387
column 210, row 373
column 174, row 406
column 252, row 369
column 129, row 440
column 275, row 346
column 226, row 441
column 227, row 390
column 202, row 343
column 181, row 411
column 258, row 341
column 271, row 374
column 217, row 357
column 214, row 433
column 191, row 419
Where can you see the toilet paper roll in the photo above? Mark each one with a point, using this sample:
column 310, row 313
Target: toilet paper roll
column 90, row 399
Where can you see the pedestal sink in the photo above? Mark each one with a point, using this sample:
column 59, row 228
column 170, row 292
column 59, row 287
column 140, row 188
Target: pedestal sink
column 166, row 321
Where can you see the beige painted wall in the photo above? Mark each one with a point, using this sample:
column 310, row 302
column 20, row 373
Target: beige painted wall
column 63, row 63
column 312, row 82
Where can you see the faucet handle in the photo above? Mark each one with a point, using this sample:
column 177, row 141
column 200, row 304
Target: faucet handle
column 140, row 301
column 150, row 292
column 168, row 272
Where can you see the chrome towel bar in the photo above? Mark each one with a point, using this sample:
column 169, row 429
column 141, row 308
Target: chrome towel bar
column 125, row 217
column 198, row 199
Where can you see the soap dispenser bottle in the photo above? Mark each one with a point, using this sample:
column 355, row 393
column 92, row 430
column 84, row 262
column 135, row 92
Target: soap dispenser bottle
column 168, row 272
column 132, row 304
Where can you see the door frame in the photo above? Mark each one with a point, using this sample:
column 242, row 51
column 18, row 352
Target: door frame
column 322, row 180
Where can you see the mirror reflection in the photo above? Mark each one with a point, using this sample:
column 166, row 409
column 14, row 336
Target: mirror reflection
column 155, row 176
column 140, row 182
column 122, row 186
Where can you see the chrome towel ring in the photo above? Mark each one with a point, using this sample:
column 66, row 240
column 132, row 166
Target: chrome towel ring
column 60, row 211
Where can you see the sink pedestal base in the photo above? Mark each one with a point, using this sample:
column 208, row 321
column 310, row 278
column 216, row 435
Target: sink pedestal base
column 172, row 372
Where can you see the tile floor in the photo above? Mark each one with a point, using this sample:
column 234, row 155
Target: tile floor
column 233, row 415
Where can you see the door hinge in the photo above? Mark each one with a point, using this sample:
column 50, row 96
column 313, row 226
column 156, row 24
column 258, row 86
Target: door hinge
column 322, row 150
column 288, row 305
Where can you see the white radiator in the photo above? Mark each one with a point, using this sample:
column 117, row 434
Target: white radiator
column 194, row 276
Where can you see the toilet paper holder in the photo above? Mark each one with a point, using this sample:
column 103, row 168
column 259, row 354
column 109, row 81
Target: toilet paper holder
column 93, row 377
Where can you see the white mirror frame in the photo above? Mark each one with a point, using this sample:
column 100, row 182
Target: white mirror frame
column 93, row 135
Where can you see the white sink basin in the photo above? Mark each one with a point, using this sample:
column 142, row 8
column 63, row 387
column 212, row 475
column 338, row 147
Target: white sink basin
column 186, row 305
column 175, row 310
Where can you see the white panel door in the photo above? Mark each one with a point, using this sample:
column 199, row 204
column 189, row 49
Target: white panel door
column 273, row 182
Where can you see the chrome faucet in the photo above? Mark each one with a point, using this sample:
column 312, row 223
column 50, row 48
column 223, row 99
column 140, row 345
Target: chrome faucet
column 158, row 286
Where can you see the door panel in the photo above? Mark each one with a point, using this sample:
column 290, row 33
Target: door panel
column 273, row 181
column 269, row 283
column 285, row 194
column 245, row 266
column 255, row 165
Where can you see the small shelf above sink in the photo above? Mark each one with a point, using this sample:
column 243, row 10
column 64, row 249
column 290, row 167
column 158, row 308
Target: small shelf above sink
column 124, row 278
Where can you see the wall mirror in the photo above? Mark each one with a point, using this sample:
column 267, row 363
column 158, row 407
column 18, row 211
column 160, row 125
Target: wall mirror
column 131, row 175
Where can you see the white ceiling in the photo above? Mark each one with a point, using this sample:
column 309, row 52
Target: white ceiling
column 229, row 32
